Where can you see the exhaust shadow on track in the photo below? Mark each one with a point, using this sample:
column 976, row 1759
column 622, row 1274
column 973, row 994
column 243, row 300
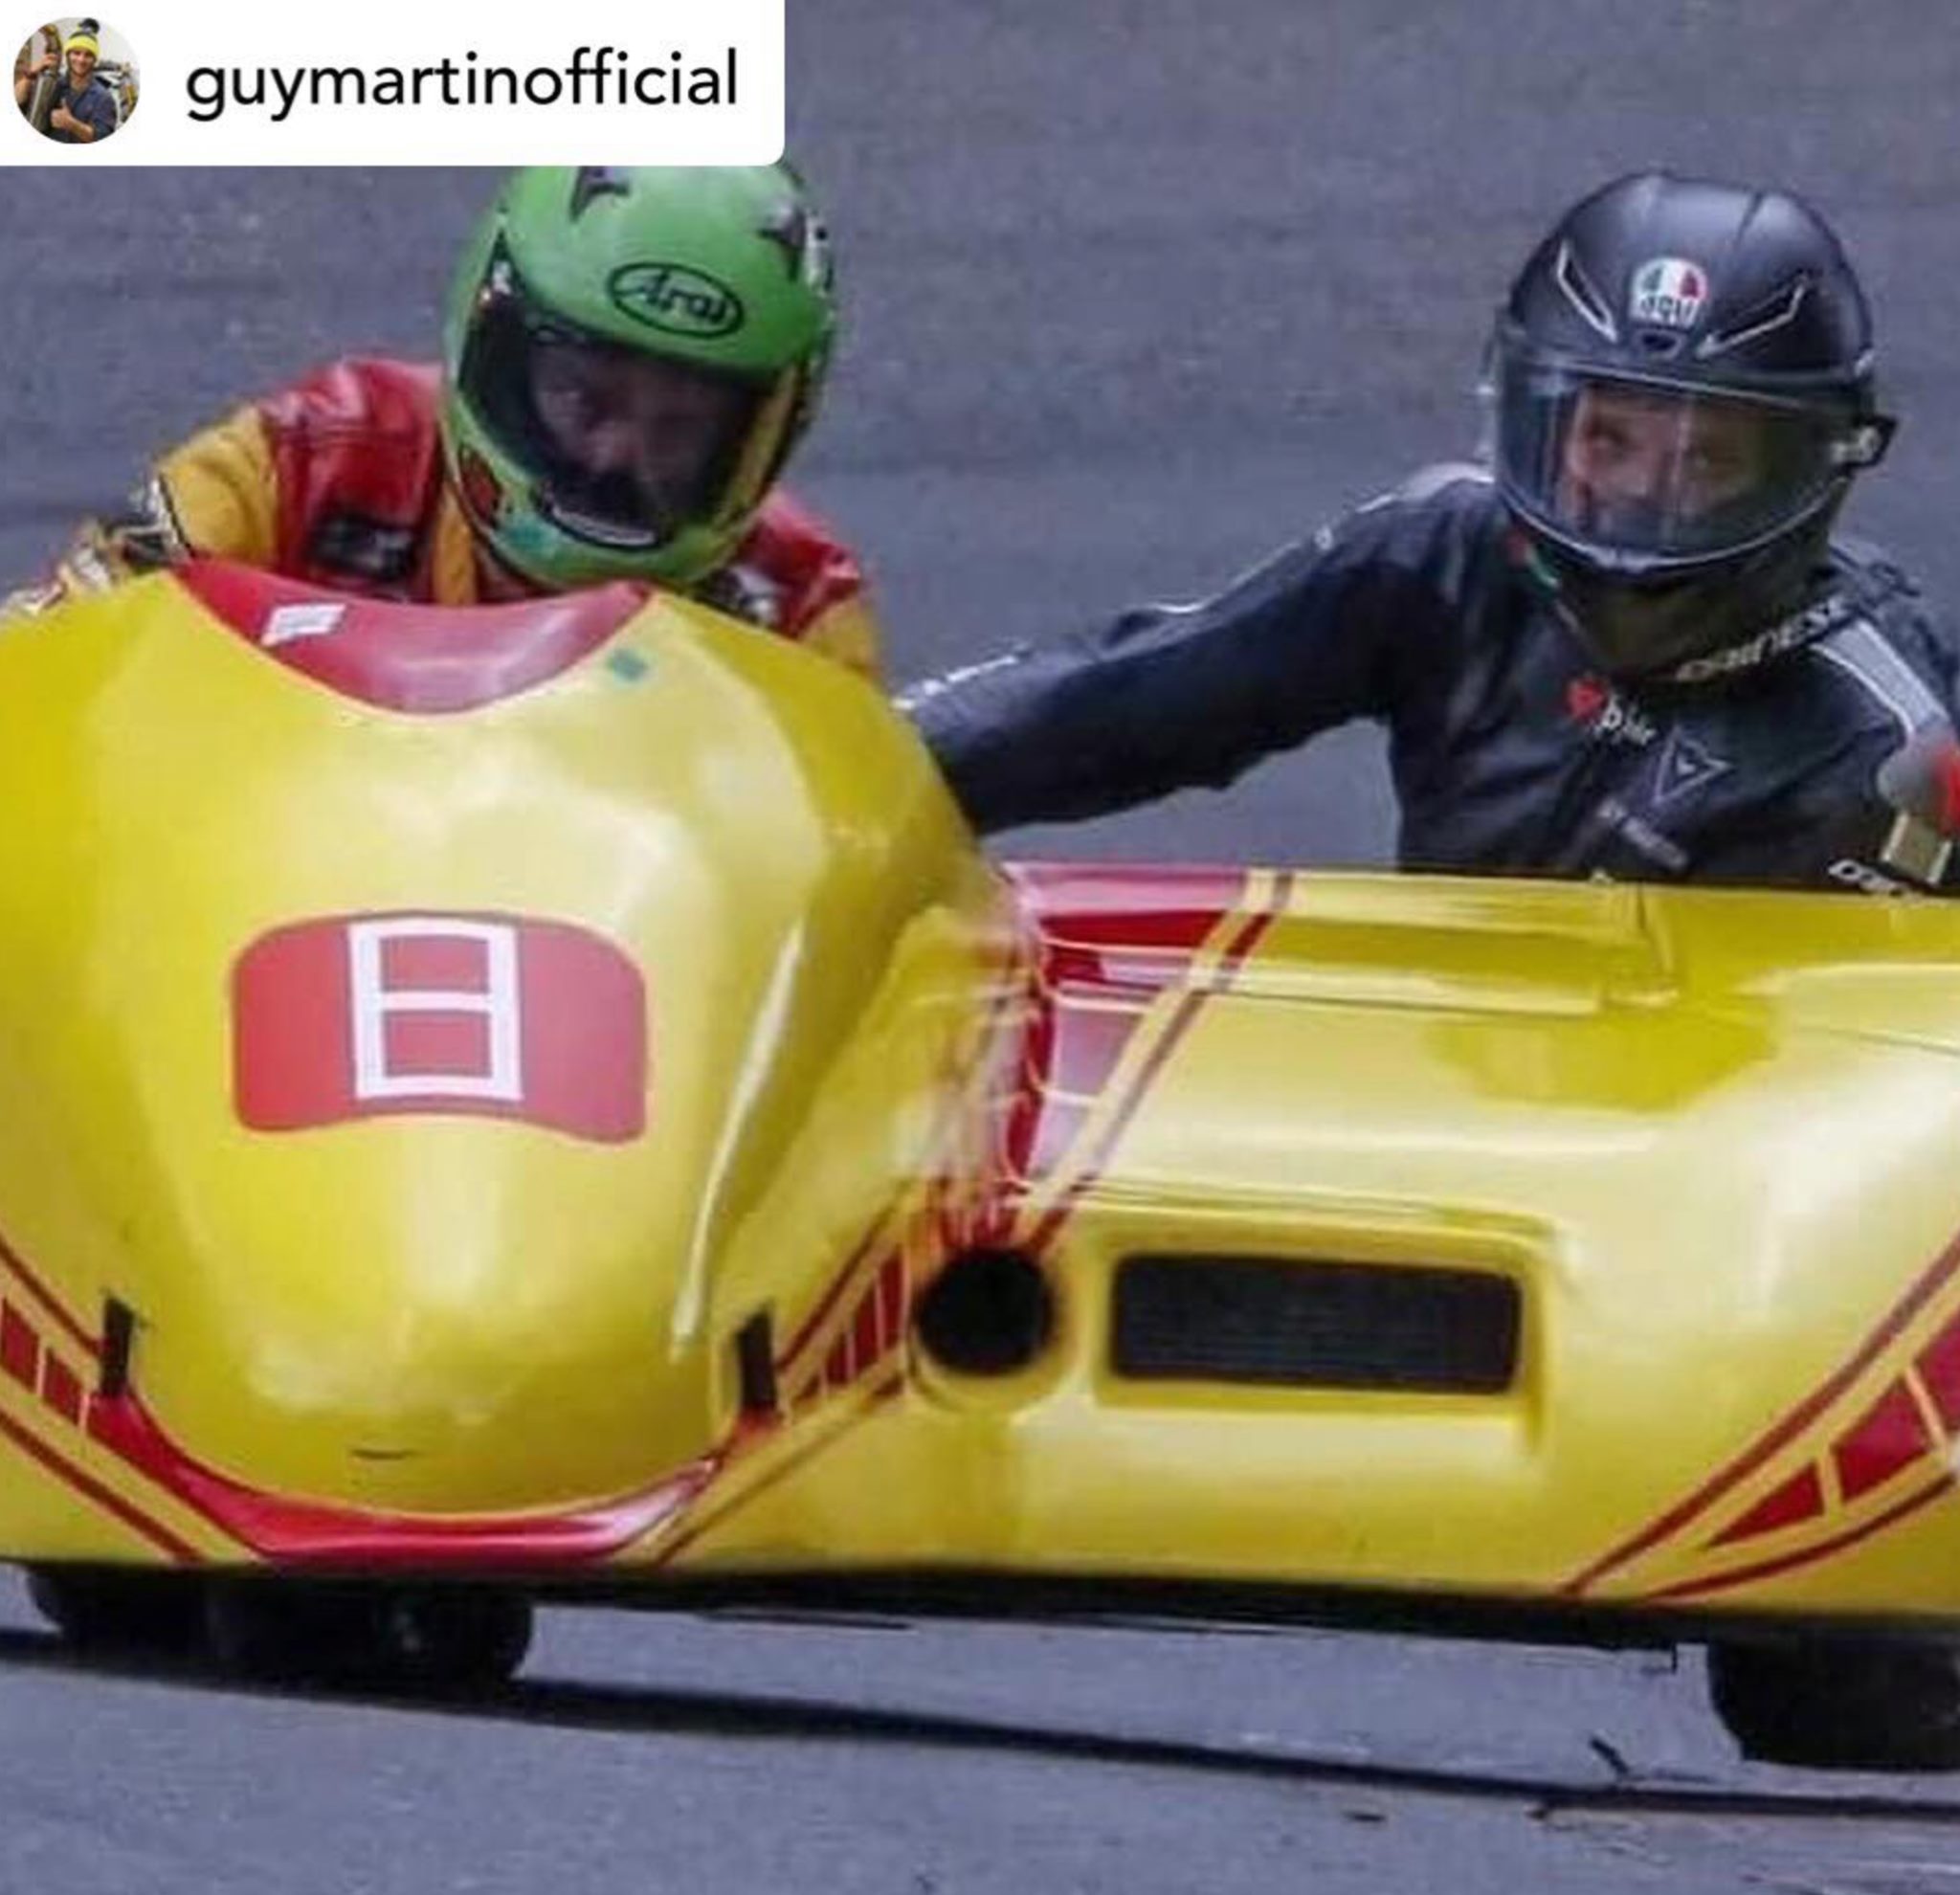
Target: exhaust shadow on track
column 766, row 1717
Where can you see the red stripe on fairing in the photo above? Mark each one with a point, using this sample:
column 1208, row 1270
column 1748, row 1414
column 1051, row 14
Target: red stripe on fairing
column 841, row 1365
column 320, row 1534
column 891, row 1291
column 1888, row 1439
column 1723, row 1582
column 51, row 1306
column 1799, row 1498
column 110, row 1502
column 413, row 658
column 1119, row 929
column 826, row 1303
column 20, row 1348
column 1929, row 1283
column 1939, row 1369
column 868, row 1339
column 875, row 1399
column 1244, row 939
column 60, row 1388
column 26, row 1360
column 1122, row 904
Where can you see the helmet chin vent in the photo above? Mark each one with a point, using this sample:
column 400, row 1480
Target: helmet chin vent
column 613, row 535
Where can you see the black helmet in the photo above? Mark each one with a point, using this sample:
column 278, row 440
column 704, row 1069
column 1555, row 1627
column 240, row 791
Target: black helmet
column 1683, row 390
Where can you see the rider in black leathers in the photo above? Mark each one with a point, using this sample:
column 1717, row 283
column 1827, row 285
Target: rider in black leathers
column 1631, row 648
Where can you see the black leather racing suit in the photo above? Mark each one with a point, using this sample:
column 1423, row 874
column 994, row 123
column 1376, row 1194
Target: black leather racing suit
column 1511, row 752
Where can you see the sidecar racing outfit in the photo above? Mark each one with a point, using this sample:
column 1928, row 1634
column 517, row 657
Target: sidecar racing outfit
column 1631, row 646
column 340, row 480
column 1816, row 751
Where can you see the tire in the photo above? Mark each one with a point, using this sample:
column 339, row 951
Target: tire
column 121, row 1610
column 464, row 1639
column 424, row 1640
column 1841, row 1704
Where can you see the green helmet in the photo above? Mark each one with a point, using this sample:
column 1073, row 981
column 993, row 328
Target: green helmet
column 628, row 357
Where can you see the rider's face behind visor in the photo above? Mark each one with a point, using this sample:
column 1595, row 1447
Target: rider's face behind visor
column 621, row 448
column 1652, row 482
column 628, row 442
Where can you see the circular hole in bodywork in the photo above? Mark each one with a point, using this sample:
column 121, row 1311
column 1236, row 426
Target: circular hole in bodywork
column 988, row 1312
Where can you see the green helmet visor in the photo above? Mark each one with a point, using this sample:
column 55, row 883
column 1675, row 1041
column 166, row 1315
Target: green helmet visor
column 625, row 449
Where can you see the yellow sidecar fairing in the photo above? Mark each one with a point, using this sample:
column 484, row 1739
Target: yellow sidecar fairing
column 407, row 1076
column 496, row 1097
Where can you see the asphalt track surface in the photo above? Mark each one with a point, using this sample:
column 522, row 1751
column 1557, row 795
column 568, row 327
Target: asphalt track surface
column 1137, row 292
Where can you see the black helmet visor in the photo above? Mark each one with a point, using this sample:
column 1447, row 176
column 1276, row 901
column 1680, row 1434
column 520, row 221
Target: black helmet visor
column 1644, row 476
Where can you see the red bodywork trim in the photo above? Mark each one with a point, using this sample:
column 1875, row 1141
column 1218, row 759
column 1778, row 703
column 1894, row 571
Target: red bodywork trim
column 1231, row 959
column 1885, row 1441
column 828, row 1301
column 1939, row 1369
column 1127, row 905
column 61, row 1388
column 1799, row 1499
column 313, row 1532
column 20, row 1348
column 421, row 658
column 1722, row 1582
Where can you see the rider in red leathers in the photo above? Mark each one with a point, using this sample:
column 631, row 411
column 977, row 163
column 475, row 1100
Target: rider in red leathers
column 580, row 429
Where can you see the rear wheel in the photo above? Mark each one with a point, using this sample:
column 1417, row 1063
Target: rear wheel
column 1841, row 1704
column 434, row 1639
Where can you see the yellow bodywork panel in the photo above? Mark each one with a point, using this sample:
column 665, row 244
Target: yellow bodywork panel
column 317, row 1251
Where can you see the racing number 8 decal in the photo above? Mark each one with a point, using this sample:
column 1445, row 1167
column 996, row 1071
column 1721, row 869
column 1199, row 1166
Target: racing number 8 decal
column 352, row 1016
column 488, row 1010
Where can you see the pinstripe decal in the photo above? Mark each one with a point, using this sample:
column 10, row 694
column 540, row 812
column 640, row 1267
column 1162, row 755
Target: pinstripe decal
column 107, row 1499
column 1928, row 1298
column 13, row 1265
column 35, row 1360
column 1769, row 1568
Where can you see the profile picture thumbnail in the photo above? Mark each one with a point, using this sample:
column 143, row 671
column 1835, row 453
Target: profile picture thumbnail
column 75, row 80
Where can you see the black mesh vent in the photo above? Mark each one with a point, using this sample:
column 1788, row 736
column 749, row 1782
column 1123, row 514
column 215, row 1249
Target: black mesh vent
column 1316, row 1326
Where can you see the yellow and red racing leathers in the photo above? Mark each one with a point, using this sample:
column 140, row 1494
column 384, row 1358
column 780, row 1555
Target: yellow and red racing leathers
column 340, row 480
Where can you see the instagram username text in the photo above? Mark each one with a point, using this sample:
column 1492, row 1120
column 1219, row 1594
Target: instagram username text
column 593, row 75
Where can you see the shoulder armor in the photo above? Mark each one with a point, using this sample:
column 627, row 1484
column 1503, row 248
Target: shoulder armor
column 1427, row 483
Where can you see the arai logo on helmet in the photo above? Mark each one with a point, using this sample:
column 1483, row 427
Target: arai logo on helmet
column 672, row 297
column 1668, row 292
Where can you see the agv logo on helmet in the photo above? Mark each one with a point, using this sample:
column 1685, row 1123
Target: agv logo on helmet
column 673, row 298
column 1668, row 293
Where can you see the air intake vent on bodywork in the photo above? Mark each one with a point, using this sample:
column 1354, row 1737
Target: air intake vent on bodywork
column 1304, row 1324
